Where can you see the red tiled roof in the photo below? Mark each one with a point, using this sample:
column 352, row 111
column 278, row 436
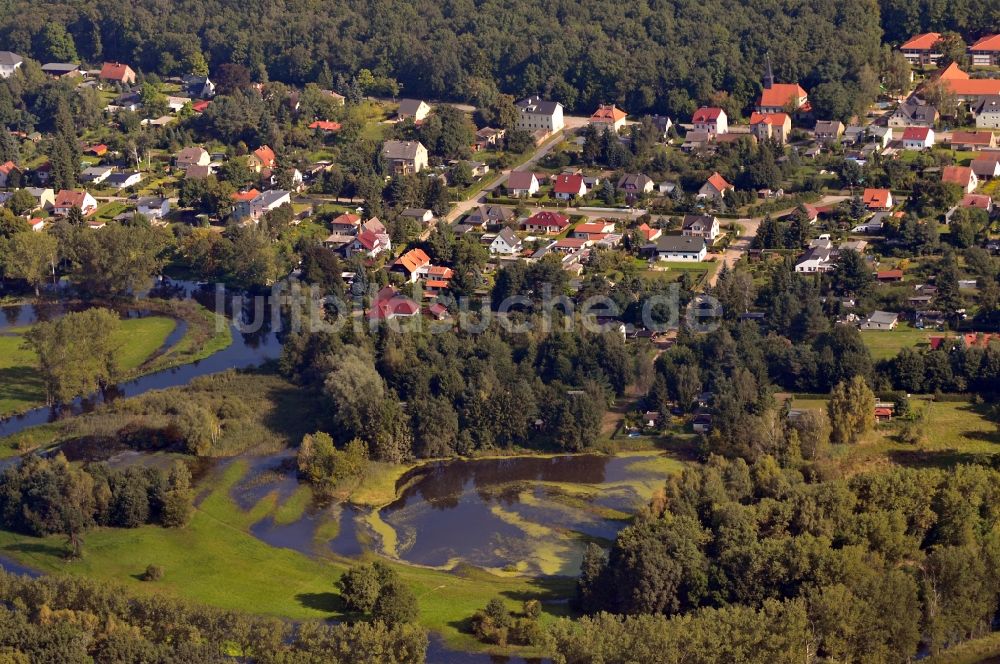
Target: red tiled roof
column 959, row 83
column 200, row 106
column 546, row 218
column 608, row 113
column 706, row 114
column 889, row 274
column 719, row 182
column 960, row 175
column 768, row 118
column 781, row 94
column 325, row 125
column 924, row 42
column 266, row 155
column 876, row 198
column 347, row 218
column 592, row 227
column 971, row 137
column 519, row 179
column 367, row 239
column 245, row 196
column 568, row 184
column 916, row 133
column 572, row 242
column 980, row 201
column 67, row 198
column 990, row 43
column 388, row 303
column 114, row 71
column 7, row 167
column 436, row 283
column 441, row 272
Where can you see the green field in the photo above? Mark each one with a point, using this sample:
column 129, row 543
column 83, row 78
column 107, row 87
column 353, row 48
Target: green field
column 22, row 389
column 954, row 432
column 884, row 344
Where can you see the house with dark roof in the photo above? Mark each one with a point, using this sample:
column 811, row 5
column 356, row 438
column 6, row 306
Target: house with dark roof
column 192, row 156
column 987, row 112
column 539, row 114
column 986, row 167
column 199, row 87
column 505, row 243
column 704, row 226
column 678, row 248
column 914, row 112
column 828, row 131
column 61, row 69
column 489, row 215
column 9, row 62
column 405, row 157
column 880, row 320
column 635, row 185
column 413, row 109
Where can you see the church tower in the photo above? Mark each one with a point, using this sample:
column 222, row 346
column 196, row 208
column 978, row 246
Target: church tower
column 768, row 75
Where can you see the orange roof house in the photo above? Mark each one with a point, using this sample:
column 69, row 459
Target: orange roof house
column 775, row 126
column 986, row 51
column 116, row 72
column 777, row 97
column 965, row 88
column 921, row 49
column 714, row 187
column 245, row 196
column 261, row 158
column 609, row 115
column 410, row 262
column 877, row 199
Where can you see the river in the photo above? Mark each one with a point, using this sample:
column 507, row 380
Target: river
column 247, row 350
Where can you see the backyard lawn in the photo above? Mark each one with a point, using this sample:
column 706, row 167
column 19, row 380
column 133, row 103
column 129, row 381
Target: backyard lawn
column 884, row 344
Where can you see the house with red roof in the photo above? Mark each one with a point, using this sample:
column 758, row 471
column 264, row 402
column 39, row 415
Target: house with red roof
column 325, row 125
column 922, row 49
column 200, row 106
column 569, row 186
column 67, row 199
column 978, row 202
column 781, row 97
column 594, row 230
column 877, row 199
column 369, row 243
column 610, row 116
column 389, row 304
column 773, row 126
column 116, row 72
column 986, row 52
column 244, row 196
column 261, row 158
column 963, row 176
column 546, row 222
column 711, row 119
column 715, row 187
column 918, row 138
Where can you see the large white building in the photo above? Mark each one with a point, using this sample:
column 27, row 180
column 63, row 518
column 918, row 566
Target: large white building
column 536, row 113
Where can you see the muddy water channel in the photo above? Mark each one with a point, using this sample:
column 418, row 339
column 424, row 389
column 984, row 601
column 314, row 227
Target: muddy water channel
column 531, row 515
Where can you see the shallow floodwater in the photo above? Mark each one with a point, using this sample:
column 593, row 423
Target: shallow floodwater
column 531, row 515
column 247, row 350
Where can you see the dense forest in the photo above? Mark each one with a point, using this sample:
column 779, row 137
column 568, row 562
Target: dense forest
column 652, row 55
column 863, row 569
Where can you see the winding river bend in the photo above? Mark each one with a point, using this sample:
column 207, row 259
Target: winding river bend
column 247, row 350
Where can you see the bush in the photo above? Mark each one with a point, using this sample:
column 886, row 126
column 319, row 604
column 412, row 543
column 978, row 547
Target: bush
column 152, row 573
